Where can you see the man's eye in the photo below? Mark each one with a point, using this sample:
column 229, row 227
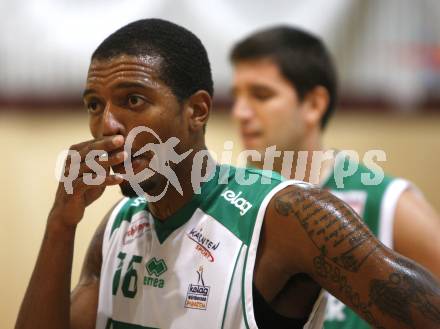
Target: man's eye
column 93, row 107
column 262, row 95
column 134, row 100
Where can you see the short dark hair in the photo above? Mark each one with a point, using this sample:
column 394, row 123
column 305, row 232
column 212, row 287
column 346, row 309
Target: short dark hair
column 185, row 65
column 302, row 58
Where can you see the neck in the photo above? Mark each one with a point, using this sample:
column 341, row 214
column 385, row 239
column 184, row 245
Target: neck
column 172, row 200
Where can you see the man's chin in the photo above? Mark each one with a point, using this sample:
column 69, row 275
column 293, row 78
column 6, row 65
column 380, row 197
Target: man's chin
column 253, row 142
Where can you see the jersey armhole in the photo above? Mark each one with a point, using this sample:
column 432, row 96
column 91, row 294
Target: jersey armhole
column 388, row 210
column 248, row 273
column 315, row 320
column 317, row 315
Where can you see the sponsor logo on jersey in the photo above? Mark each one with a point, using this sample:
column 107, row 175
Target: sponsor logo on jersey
column 204, row 245
column 155, row 269
column 234, row 198
column 198, row 294
column 136, row 229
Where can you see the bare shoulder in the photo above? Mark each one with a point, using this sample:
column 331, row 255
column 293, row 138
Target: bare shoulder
column 415, row 230
column 413, row 210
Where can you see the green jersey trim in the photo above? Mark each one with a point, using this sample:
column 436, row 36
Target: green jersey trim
column 249, row 265
column 131, row 207
column 164, row 228
column 230, row 285
column 243, row 287
column 223, row 179
column 167, row 227
column 233, row 192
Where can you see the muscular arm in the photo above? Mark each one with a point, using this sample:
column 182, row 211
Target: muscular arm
column 48, row 302
column 416, row 229
column 84, row 298
column 322, row 237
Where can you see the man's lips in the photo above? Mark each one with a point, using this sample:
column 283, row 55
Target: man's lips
column 137, row 163
column 251, row 134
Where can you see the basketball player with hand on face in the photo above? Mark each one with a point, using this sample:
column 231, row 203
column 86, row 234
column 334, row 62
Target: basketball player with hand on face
column 222, row 255
column 284, row 90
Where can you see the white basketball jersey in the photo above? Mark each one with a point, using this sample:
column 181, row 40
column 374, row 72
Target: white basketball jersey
column 193, row 270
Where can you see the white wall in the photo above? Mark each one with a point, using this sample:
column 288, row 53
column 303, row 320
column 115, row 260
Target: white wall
column 380, row 46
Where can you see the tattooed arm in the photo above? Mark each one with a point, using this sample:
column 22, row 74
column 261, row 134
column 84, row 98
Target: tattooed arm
column 323, row 237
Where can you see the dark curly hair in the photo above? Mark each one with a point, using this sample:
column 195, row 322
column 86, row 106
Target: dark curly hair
column 184, row 67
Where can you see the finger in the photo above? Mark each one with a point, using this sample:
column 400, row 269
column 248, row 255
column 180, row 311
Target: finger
column 83, row 183
column 100, row 164
column 113, row 180
column 107, row 143
column 79, row 152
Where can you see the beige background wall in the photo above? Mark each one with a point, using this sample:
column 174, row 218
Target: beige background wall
column 30, row 144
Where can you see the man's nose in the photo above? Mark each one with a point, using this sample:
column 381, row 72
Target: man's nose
column 111, row 123
column 241, row 109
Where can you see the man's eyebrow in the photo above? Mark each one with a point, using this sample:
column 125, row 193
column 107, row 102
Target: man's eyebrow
column 88, row 91
column 127, row 84
column 121, row 85
column 259, row 85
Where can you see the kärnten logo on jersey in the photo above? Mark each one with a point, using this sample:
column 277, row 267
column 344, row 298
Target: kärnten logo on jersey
column 234, row 198
column 204, row 245
column 198, row 294
column 155, row 269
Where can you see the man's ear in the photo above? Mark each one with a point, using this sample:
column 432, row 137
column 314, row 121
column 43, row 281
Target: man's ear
column 316, row 102
column 198, row 107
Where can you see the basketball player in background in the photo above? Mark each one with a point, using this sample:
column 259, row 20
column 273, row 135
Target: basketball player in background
column 284, row 90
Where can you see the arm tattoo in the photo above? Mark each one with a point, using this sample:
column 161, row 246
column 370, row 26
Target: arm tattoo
column 407, row 288
column 333, row 226
column 344, row 243
column 327, row 270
